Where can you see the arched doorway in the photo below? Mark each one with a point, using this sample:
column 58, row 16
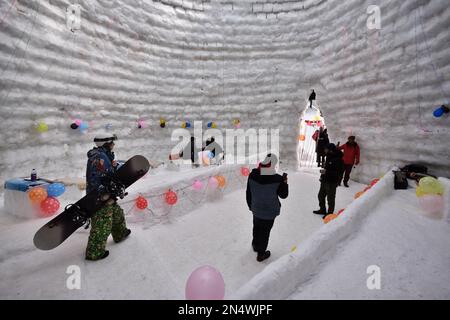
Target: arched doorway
column 310, row 121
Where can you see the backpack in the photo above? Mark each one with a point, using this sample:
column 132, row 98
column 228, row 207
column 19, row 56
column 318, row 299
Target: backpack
column 400, row 180
column 417, row 168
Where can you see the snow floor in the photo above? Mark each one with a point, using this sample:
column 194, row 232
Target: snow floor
column 155, row 262
column 411, row 250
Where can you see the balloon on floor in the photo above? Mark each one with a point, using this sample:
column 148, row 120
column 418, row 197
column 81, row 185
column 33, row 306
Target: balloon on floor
column 205, row 283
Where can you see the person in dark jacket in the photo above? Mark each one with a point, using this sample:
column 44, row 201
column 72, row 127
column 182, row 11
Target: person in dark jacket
column 351, row 158
column 190, row 152
column 110, row 219
column 329, row 179
column 264, row 187
column 322, row 143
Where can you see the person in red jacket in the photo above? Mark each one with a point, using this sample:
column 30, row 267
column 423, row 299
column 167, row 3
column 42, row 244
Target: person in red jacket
column 351, row 158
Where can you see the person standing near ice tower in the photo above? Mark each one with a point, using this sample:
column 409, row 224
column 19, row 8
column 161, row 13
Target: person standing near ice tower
column 329, row 179
column 351, row 158
column 264, row 187
column 321, row 143
column 110, row 219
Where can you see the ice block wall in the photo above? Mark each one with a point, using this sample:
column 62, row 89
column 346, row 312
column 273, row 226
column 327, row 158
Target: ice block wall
column 217, row 61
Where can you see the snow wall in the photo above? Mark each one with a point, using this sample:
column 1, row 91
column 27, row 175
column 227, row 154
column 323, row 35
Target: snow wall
column 214, row 60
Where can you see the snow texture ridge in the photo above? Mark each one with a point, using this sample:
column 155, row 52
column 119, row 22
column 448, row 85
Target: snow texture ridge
column 217, row 61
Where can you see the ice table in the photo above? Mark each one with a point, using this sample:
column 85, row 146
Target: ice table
column 16, row 197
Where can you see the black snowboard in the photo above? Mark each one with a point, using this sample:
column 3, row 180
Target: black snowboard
column 74, row 216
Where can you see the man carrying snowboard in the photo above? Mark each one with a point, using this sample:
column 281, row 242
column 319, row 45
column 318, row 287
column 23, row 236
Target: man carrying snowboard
column 110, row 219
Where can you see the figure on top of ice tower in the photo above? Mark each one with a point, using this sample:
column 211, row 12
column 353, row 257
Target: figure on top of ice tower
column 329, row 179
column 264, row 187
column 110, row 219
column 312, row 98
column 351, row 158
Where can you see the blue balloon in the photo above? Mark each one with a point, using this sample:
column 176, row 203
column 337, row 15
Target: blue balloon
column 84, row 126
column 210, row 155
column 439, row 112
column 188, row 124
column 209, row 124
column 56, row 189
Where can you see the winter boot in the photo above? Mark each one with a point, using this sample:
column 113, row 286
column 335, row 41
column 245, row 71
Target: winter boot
column 346, row 185
column 262, row 257
column 320, row 212
column 125, row 235
column 100, row 258
column 254, row 249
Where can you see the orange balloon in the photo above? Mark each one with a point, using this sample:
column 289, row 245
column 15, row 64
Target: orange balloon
column 302, row 137
column 37, row 194
column 330, row 218
column 359, row 194
column 222, row 181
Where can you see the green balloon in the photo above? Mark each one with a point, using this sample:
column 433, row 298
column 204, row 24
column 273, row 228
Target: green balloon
column 430, row 185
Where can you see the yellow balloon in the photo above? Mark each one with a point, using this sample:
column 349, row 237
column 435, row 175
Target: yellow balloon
column 214, row 126
column 42, row 127
column 430, row 185
column 294, row 248
column 419, row 192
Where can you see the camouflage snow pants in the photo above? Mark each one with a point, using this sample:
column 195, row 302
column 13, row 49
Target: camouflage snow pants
column 106, row 221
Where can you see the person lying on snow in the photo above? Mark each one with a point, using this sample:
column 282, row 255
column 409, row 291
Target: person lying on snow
column 329, row 179
column 264, row 187
column 110, row 219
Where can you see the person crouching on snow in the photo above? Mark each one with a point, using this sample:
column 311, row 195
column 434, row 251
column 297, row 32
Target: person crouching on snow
column 329, row 179
column 264, row 186
column 110, row 219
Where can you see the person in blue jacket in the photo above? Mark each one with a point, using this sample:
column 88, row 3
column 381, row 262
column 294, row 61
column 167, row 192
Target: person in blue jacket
column 110, row 219
column 264, row 187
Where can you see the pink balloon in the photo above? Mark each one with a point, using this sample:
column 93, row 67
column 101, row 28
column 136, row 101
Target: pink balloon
column 198, row 185
column 213, row 183
column 432, row 205
column 205, row 283
column 78, row 122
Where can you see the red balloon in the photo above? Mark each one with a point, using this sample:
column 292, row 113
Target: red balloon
column 374, row 182
column 245, row 171
column 171, row 197
column 49, row 206
column 141, row 203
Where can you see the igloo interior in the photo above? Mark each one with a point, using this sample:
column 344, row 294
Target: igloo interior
column 217, row 61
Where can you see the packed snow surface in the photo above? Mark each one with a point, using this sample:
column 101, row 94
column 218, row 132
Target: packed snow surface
column 155, row 262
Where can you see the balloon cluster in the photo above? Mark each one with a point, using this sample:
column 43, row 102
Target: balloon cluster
column 79, row 124
column 430, row 193
column 212, row 125
column 186, row 124
column 47, row 198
